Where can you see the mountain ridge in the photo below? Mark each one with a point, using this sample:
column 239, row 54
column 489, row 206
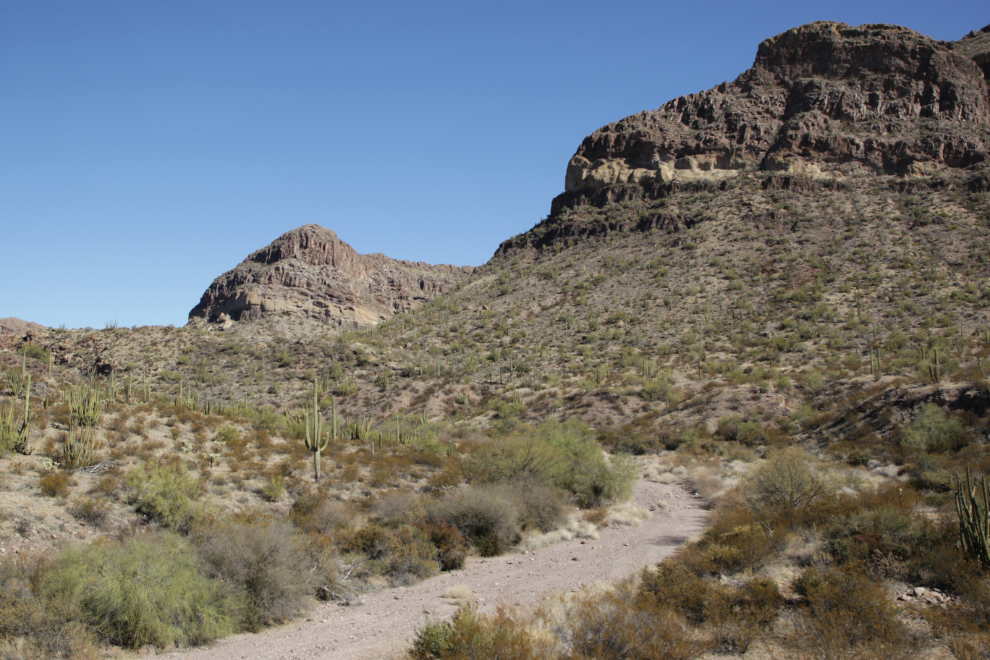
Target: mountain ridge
column 309, row 274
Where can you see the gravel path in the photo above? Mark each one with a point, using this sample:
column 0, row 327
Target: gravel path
column 386, row 621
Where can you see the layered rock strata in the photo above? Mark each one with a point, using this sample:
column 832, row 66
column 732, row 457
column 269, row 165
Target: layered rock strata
column 310, row 274
column 824, row 99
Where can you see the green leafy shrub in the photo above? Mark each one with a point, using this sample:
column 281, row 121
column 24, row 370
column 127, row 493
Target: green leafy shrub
column 167, row 494
column 144, row 590
column 788, row 481
column 563, row 455
column 932, row 430
column 265, row 565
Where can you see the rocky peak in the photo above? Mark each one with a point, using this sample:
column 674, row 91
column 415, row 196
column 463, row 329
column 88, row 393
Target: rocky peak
column 309, row 274
column 824, row 100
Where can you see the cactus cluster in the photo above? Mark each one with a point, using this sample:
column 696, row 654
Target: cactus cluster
column 974, row 521
column 14, row 434
column 86, row 403
column 79, row 449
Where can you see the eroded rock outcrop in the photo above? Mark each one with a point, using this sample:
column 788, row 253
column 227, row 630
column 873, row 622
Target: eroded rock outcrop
column 310, row 274
column 825, row 99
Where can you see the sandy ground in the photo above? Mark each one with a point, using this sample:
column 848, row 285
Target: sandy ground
column 384, row 624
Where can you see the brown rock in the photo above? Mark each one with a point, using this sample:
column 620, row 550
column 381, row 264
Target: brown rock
column 309, row 273
column 824, row 98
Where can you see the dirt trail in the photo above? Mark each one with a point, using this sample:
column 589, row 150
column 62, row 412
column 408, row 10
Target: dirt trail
column 387, row 620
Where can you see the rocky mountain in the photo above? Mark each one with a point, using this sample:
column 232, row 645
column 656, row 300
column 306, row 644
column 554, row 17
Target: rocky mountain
column 825, row 100
column 309, row 274
column 11, row 326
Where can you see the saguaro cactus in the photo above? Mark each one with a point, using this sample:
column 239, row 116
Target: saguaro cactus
column 974, row 521
column 316, row 440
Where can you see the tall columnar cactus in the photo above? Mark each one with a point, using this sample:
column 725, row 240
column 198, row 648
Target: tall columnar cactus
column 974, row 520
column 13, row 435
column 316, row 440
column 86, row 405
column 934, row 370
column 79, row 449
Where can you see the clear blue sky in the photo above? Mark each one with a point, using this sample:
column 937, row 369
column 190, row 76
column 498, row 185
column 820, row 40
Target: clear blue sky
column 147, row 147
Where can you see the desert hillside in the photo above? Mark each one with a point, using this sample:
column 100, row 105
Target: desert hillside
column 774, row 293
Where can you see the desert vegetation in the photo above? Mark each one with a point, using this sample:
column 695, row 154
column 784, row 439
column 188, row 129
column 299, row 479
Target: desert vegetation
column 814, row 366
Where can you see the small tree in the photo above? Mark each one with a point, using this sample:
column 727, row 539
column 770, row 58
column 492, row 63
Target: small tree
column 787, row 480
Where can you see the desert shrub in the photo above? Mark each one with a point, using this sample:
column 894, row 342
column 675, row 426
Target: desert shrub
column 473, row 636
column 228, row 436
column 673, row 585
column 450, row 544
column 932, row 430
column 39, row 627
column 541, row 507
column 929, row 472
column 404, row 554
column 787, row 481
column 144, row 590
column 617, row 626
column 93, row 510
column 846, row 613
column 264, row 563
column 564, row 455
column 483, row 515
column 632, row 442
column 55, row 484
column 167, row 494
column 734, row 616
column 273, row 489
column 737, row 539
column 432, row 641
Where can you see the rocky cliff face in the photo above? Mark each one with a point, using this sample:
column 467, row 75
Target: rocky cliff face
column 310, row 274
column 825, row 100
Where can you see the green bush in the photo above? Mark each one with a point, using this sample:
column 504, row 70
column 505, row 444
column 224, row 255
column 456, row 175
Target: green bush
column 144, row 590
column 167, row 494
column 562, row 455
column 932, row 430
column 263, row 563
column 787, row 480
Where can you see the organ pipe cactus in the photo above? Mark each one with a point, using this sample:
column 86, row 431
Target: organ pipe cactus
column 13, row 435
column 79, row 450
column 86, row 405
column 316, row 440
column 974, row 521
